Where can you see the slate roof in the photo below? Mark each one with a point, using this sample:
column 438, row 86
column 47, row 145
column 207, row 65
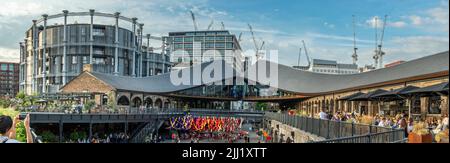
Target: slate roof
column 290, row 79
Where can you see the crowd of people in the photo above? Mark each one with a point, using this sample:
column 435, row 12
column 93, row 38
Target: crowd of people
column 399, row 121
column 111, row 138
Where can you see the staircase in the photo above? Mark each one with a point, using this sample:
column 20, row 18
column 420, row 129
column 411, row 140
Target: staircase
column 147, row 129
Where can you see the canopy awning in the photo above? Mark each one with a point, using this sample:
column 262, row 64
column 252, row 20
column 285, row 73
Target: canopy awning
column 351, row 96
column 438, row 88
column 396, row 93
column 368, row 96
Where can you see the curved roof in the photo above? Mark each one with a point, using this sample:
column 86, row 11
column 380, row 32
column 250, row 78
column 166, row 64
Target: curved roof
column 308, row 82
column 290, row 79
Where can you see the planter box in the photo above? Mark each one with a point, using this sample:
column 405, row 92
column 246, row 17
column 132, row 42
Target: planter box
column 414, row 138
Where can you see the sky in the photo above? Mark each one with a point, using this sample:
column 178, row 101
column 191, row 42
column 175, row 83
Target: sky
column 414, row 28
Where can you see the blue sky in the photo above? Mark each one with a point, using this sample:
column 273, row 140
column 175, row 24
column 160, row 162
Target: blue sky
column 415, row 28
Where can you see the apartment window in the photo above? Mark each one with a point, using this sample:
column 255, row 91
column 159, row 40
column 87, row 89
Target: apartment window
column 178, row 46
column 188, row 46
column 220, row 45
column 200, row 34
column 220, row 38
column 209, row 45
column 210, row 38
column 178, row 39
column 198, row 39
column 74, row 60
column 188, row 39
column 84, row 60
column 229, row 45
column 98, row 32
column 4, row 67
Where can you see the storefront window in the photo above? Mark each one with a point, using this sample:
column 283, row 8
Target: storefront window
column 415, row 109
column 434, row 105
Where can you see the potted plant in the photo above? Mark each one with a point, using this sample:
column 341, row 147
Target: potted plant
column 442, row 137
column 420, row 134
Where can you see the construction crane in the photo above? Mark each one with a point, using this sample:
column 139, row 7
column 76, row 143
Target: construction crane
column 210, row 25
column 306, row 53
column 299, row 56
column 223, row 26
column 376, row 56
column 254, row 41
column 194, row 21
column 355, row 49
column 380, row 51
column 240, row 37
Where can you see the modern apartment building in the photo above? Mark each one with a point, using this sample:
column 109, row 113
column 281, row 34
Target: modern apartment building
column 191, row 48
column 9, row 79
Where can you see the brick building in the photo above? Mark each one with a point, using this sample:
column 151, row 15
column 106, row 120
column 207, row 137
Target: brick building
column 9, row 79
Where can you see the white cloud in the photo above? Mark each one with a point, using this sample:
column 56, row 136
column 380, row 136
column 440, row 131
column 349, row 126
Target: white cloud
column 9, row 55
column 416, row 20
column 397, row 24
column 329, row 25
column 434, row 19
column 375, row 21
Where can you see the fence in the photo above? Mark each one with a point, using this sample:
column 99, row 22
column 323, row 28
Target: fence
column 339, row 131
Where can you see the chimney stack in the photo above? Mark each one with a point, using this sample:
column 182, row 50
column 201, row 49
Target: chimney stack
column 87, row 68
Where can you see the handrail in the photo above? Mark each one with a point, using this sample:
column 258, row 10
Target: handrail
column 338, row 131
column 35, row 137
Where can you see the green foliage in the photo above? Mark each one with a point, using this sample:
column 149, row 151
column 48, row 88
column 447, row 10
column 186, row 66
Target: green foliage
column 21, row 95
column 77, row 135
column 48, row 136
column 89, row 105
column 9, row 112
column 4, row 103
column 261, row 106
column 111, row 101
column 21, row 133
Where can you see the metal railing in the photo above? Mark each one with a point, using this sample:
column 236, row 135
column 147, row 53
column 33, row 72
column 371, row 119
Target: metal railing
column 394, row 136
column 332, row 130
column 36, row 138
column 141, row 134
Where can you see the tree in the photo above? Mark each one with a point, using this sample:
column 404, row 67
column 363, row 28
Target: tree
column 89, row 105
column 261, row 106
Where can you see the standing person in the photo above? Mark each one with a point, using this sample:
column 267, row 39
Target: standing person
column 8, row 129
column 323, row 115
column 382, row 122
column 410, row 125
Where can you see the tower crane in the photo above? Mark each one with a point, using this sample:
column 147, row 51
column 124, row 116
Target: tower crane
column 381, row 53
column 306, row 53
column 254, row 42
column 355, row 49
column 240, row 37
column 376, row 56
column 194, row 21
column 210, row 25
column 223, row 26
column 299, row 56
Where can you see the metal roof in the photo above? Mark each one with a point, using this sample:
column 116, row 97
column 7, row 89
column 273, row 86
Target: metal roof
column 442, row 87
column 395, row 92
column 365, row 97
column 351, row 96
column 291, row 79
